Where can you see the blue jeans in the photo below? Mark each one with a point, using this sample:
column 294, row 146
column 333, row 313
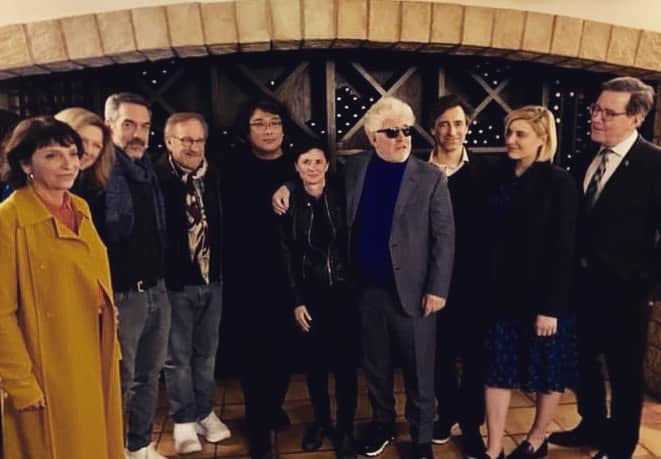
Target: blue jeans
column 144, row 325
column 189, row 368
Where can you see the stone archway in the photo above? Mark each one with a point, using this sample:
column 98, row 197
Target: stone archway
column 197, row 29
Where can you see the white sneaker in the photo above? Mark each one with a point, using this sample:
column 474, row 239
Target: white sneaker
column 148, row 452
column 185, row 438
column 212, row 428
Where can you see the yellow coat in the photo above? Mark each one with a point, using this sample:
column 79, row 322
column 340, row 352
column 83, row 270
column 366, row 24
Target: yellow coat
column 53, row 342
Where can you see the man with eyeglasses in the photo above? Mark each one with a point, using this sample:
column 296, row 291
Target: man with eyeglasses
column 193, row 276
column 257, row 296
column 619, row 262
column 134, row 230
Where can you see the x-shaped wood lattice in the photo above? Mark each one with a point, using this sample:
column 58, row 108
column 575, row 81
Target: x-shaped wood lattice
column 383, row 93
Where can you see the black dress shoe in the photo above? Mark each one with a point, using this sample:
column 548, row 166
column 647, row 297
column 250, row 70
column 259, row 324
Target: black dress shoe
column 280, row 421
column 345, row 446
column 526, row 451
column 581, row 436
column 314, row 437
column 422, row 451
column 374, row 438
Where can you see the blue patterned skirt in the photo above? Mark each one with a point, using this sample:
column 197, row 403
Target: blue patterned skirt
column 515, row 357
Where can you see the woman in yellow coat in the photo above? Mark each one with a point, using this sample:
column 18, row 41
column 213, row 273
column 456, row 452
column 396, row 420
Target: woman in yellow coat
column 59, row 355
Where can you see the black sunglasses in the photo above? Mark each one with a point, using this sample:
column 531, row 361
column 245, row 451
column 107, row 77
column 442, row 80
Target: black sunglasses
column 392, row 133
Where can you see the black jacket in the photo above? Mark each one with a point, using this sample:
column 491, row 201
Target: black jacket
column 179, row 269
column 310, row 267
column 532, row 231
column 618, row 236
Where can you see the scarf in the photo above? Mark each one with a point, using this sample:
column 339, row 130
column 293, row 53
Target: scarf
column 120, row 216
column 196, row 217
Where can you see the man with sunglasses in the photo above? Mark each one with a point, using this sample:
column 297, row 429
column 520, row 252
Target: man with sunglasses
column 191, row 191
column 619, row 262
column 402, row 245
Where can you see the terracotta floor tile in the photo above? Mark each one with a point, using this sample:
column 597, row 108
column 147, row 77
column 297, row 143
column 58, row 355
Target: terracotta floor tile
column 229, row 397
column 521, row 400
column 233, row 412
column 299, row 411
column 568, row 397
column 519, row 421
column 567, row 416
column 233, row 393
column 650, row 438
column 236, row 445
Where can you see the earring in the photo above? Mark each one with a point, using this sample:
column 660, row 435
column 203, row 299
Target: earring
column 30, row 176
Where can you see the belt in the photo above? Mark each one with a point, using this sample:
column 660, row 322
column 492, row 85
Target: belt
column 143, row 285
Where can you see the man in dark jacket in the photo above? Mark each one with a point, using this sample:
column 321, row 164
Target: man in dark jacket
column 619, row 262
column 133, row 228
column 460, row 328
column 191, row 190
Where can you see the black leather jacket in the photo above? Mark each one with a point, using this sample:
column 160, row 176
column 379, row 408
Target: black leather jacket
column 310, row 268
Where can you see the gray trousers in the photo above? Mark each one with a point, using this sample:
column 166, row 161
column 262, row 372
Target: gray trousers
column 386, row 328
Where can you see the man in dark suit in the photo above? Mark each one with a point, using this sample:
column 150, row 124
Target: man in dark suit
column 459, row 329
column 402, row 241
column 619, row 258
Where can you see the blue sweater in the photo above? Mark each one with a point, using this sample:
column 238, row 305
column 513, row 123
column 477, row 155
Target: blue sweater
column 375, row 213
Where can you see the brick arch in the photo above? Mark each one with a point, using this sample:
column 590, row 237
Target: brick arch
column 199, row 29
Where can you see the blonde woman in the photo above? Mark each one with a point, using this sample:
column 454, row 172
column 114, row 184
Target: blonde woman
column 529, row 342
column 98, row 151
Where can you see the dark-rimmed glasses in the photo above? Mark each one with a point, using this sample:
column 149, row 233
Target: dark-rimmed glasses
column 607, row 114
column 392, row 133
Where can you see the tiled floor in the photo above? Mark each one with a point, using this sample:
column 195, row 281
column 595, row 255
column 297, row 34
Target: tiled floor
column 229, row 405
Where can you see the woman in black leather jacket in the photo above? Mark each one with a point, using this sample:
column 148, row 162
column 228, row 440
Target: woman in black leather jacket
column 313, row 234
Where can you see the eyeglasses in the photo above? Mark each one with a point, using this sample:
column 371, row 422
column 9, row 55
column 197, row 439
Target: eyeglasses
column 189, row 141
column 392, row 133
column 264, row 125
column 607, row 114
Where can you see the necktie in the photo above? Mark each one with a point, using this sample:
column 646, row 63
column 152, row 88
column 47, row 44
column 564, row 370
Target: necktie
column 593, row 186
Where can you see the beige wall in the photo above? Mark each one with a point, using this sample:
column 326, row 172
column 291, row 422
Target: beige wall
column 639, row 14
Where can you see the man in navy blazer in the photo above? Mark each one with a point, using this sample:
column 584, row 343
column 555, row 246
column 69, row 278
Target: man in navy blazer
column 619, row 262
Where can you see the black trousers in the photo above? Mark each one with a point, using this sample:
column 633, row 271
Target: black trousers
column 264, row 369
column 386, row 329
column 331, row 345
column 459, row 398
column 612, row 320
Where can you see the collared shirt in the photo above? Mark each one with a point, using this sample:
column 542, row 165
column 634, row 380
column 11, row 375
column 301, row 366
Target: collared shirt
column 447, row 169
column 618, row 154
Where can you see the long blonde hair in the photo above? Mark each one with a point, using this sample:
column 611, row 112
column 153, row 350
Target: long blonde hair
column 99, row 173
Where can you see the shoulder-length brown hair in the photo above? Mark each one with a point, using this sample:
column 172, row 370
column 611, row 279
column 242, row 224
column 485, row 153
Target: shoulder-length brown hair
column 98, row 173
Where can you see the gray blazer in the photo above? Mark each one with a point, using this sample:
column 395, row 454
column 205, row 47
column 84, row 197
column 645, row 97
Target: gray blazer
column 422, row 233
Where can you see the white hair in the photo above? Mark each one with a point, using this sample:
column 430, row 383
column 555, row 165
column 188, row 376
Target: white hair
column 388, row 107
